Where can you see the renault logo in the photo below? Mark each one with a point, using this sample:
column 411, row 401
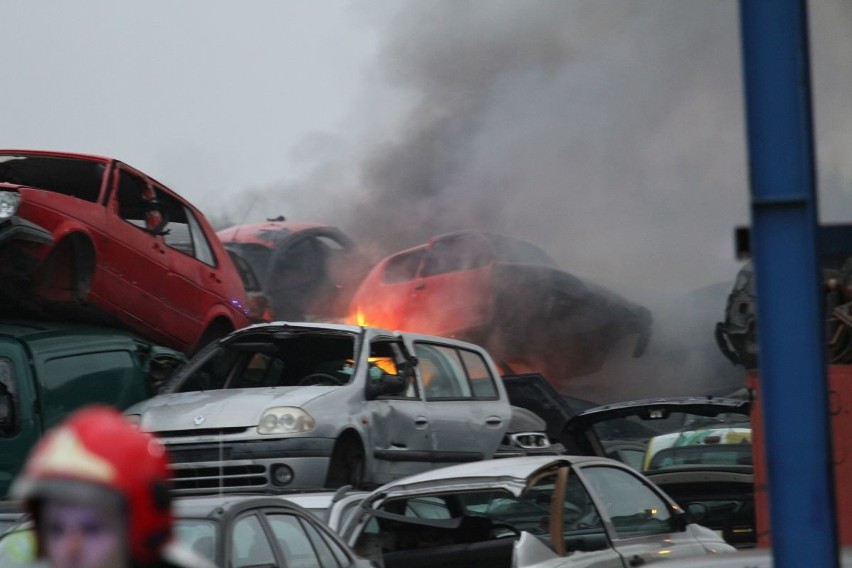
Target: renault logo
column 198, row 420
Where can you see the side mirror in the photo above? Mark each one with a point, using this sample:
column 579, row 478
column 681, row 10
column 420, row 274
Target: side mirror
column 386, row 385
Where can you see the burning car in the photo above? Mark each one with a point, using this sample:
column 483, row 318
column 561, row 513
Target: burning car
column 505, row 294
column 92, row 238
column 308, row 270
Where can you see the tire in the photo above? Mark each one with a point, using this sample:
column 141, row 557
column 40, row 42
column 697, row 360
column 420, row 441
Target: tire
column 346, row 466
column 67, row 272
column 216, row 330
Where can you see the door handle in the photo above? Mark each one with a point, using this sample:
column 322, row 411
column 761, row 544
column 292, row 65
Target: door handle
column 419, row 286
column 421, row 422
column 214, row 276
column 494, row 421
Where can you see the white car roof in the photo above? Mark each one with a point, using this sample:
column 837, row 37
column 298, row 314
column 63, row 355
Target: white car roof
column 507, row 473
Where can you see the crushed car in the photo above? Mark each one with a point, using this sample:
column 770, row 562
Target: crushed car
column 89, row 238
column 505, row 294
column 697, row 449
column 309, row 271
column 736, row 334
column 282, row 406
column 543, row 511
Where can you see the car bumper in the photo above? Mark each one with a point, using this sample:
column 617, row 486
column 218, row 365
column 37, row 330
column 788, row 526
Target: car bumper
column 274, row 466
column 15, row 228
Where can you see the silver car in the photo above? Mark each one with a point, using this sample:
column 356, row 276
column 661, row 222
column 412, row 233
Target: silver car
column 283, row 406
column 533, row 511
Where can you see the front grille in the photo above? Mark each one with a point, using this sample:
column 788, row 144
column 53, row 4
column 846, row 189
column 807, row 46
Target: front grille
column 200, row 432
column 198, row 479
column 255, row 449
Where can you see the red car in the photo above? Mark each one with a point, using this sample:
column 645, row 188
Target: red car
column 309, row 271
column 89, row 237
column 505, row 294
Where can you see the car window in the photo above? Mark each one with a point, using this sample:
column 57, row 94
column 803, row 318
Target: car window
column 295, row 544
column 442, row 373
column 269, row 360
column 454, row 253
column 69, row 176
column 8, row 389
column 199, row 535
column 481, row 380
column 450, row 373
column 389, row 358
column 136, row 201
column 402, row 267
column 249, row 545
column 182, row 232
column 519, row 252
column 258, row 256
column 632, row 506
column 324, row 546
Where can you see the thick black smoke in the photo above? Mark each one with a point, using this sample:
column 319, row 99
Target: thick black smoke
column 610, row 133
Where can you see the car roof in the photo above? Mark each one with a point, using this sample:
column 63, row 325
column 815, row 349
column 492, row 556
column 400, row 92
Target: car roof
column 510, row 474
column 32, row 330
column 253, row 232
column 77, row 155
column 219, row 505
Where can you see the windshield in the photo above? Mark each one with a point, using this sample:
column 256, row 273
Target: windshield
column 70, row 176
column 273, row 360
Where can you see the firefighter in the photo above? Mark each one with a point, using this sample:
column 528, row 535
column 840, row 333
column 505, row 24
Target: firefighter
column 98, row 490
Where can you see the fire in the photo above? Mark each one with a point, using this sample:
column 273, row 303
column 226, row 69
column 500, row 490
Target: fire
column 360, row 319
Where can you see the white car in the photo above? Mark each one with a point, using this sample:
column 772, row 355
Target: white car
column 291, row 406
column 533, row 511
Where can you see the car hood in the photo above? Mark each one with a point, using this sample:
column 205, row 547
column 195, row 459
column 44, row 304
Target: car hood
column 220, row 408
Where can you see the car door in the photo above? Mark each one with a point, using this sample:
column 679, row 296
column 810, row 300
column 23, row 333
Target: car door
column 402, row 432
column 133, row 253
column 642, row 524
column 453, row 291
column 468, row 416
column 198, row 280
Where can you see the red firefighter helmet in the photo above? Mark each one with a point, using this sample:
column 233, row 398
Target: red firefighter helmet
column 98, row 449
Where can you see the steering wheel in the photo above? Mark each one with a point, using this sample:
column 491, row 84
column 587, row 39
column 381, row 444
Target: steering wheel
column 504, row 530
column 319, row 379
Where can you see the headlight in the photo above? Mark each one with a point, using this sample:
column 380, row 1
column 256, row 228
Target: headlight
column 135, row 419
column 285, row 420
column 9, row 201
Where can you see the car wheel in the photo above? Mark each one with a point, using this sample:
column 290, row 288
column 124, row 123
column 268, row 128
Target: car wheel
column 346, row 466
column 67, row 271
column 216, row 330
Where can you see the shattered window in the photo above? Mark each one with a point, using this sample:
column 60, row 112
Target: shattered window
column 70, row 176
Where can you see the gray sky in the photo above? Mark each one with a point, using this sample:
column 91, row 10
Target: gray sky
column 609, row 132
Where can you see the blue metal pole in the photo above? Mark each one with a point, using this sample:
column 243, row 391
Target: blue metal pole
column 790, row 306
